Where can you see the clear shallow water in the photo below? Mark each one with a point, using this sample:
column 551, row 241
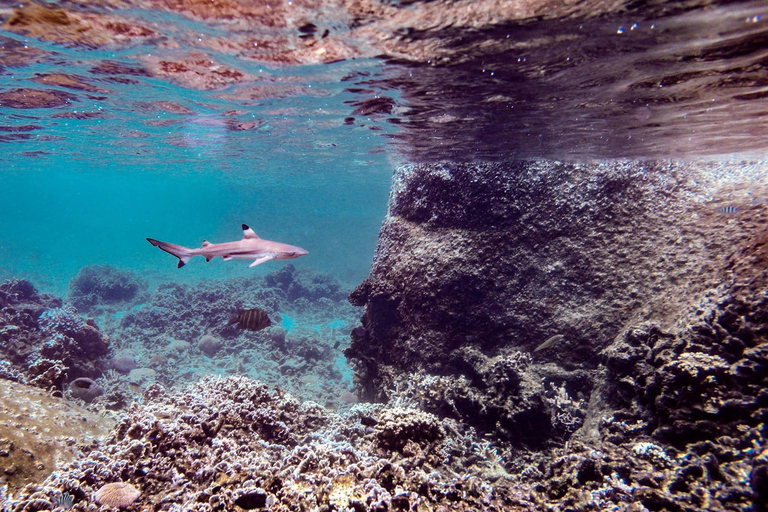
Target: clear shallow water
column 95, row 179
column 180, row 122
column 58, row 219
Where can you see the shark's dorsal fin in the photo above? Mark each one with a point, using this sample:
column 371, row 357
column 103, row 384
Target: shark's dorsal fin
column 248, row 232
column 206, row 243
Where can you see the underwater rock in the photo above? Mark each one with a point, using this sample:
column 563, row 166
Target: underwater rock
column 397, row 426
column 85, row 389
column 178, row 346
column 506, row 255
column 39, row 433
column 123, row 363
column 658, row 381
column 142, row 376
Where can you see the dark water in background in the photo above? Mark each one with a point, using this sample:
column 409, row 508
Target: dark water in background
column 304, row 152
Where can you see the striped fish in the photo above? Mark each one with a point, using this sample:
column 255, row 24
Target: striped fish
column 254, row 319
column 728, row 209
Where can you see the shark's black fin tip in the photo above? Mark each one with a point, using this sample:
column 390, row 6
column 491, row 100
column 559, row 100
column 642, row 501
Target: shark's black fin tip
column 181, row 264
column 245, row 226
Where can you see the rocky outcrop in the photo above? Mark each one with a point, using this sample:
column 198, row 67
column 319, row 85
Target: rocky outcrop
column 40, row 433
column 510, row 255
column 621, row 306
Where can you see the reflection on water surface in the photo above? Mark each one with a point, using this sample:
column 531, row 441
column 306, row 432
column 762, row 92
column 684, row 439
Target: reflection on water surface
column 445, row 80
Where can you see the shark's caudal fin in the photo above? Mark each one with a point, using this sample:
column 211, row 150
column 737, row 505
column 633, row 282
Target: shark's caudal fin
column 183, row 253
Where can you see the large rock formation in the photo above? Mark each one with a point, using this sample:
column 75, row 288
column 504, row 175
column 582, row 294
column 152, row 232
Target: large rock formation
column 476, row 262
column 648, row 282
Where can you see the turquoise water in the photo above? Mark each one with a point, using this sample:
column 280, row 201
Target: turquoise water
column 89, row 191
column 58, row 216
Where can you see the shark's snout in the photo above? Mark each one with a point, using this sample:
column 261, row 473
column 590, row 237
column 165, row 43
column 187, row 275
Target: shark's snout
column 297, row 252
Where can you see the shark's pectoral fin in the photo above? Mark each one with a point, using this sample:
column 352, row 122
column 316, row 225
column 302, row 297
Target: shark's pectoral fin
column 261, row 260
column 208, row 258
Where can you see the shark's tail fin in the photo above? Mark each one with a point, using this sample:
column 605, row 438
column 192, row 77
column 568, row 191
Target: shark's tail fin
column 183, row 253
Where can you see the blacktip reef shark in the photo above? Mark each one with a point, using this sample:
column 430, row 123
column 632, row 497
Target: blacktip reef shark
column 251, row 247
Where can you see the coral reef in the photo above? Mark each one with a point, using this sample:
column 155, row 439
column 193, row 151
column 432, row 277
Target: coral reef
column 177, row 333
column 45, row 343
column 230, row 442
column 184, row 332
column 98, row 286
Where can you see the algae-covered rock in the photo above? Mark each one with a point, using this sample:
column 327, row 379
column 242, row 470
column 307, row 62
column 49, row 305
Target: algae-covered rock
column 39, row 434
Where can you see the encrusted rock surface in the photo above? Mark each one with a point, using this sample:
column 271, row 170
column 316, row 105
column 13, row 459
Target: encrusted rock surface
column 654, row 274
column 500, row 255
column 40, row 433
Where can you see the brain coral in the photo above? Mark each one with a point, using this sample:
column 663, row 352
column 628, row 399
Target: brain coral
column 209, row 345
column 117, row 495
